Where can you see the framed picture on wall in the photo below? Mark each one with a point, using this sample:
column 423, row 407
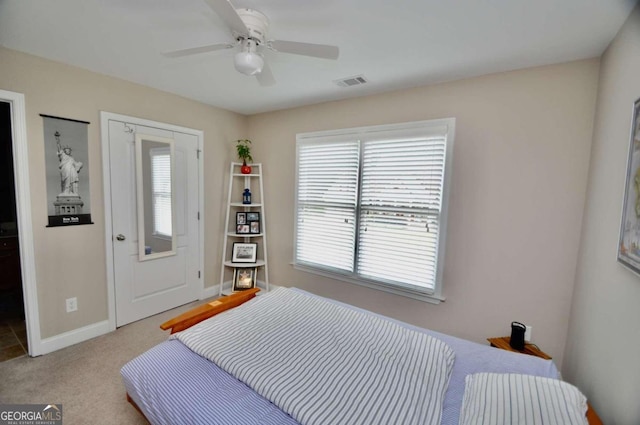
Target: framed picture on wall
column 66, row 152
column 629, row 246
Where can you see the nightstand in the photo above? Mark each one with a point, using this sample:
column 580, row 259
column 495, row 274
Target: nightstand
column 531, row 349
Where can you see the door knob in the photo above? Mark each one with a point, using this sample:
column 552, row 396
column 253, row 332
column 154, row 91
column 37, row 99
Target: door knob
column 120, row 237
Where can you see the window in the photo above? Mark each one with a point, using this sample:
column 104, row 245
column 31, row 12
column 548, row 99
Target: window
column 371, row 205
column 161, row 191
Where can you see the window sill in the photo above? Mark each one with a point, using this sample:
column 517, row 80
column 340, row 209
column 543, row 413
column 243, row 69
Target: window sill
column 420, row 296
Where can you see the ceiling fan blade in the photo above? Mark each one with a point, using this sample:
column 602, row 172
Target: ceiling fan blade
column 228, row 13
column 307, row 49
column 197, row 50
column 265, row 77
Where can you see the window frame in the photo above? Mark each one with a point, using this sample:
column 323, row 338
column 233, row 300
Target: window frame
column 444, row 127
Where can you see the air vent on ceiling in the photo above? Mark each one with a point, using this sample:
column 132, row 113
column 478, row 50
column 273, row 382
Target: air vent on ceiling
column 351, row 81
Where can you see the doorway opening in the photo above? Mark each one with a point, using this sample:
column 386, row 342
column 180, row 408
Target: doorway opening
column 13, row 333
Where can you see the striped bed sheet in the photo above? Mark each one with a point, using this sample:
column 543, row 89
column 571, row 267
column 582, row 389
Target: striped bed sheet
column 173, row 385
column 323, row 363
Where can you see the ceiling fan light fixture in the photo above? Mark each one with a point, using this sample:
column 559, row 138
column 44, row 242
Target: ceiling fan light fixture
column 248, row 63
column 249, row 29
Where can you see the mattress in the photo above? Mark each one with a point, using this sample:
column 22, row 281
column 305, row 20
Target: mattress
column 173, row 385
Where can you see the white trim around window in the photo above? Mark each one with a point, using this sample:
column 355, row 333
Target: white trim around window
column 371, row 205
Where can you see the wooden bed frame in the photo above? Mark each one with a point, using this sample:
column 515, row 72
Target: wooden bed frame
column 198, row 314
column 222, row 304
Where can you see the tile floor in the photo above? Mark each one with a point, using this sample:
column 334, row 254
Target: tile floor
column 13, row 339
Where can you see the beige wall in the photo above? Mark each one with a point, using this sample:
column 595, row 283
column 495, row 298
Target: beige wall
column 70, row 261
column 520, row 168
column 603, row 340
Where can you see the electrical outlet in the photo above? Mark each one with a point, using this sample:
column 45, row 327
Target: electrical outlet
column 72, row 304
column 527, row 333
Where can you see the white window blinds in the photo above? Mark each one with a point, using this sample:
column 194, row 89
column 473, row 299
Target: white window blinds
column 371, row 203
column 161, row 183
column 400, row 209
column 327, row 196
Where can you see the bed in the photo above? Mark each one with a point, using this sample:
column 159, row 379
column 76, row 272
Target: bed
column 249, row 365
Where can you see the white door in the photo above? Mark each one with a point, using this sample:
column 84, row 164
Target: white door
column 147, row 286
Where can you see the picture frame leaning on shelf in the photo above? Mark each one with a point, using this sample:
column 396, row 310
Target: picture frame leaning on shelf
column 244, row 252
column 244, row 278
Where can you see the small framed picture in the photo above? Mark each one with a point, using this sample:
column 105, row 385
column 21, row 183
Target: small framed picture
column 244, row 278
column 242, row 228
column 244, row 252
column 253, row 216
column 254, row 227
column 241, row 218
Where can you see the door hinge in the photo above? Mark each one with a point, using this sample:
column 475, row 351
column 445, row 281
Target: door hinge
column 198, row 274
column 198, row 215
column 198, row 153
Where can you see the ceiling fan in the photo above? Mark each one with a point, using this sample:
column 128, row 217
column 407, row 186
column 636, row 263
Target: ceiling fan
column 249, row 28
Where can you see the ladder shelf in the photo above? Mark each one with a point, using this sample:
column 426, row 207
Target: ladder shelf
column 245, row 225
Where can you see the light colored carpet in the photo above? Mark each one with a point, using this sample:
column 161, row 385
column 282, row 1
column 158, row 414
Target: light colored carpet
column 85, row 378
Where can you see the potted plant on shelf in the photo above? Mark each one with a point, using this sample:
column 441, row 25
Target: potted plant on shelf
column 244, row 153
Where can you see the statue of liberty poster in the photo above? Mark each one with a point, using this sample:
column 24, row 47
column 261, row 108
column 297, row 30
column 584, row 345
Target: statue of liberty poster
column 67, row 167
column 629, row 246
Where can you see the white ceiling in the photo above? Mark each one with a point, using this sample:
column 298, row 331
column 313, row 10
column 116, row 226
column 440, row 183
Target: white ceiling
column 394, row 44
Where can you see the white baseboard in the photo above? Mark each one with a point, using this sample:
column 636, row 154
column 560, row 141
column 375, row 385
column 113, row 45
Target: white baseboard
column 66, row 339
column 210, row 291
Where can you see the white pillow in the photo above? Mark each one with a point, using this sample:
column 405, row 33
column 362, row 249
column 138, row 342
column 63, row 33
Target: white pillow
column 510, row 399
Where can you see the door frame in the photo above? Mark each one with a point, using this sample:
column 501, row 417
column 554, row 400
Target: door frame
column 106, row 178
column 25, row 225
